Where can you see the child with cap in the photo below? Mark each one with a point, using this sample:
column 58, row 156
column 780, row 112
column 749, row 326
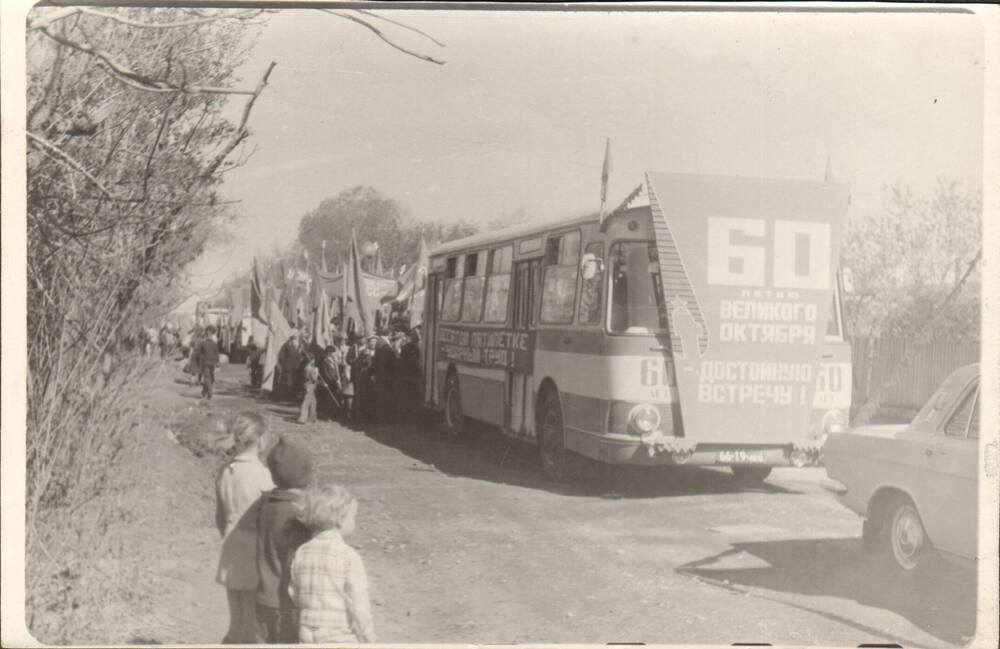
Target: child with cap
column 279, row 534
column 328, row 580
column 238, row 488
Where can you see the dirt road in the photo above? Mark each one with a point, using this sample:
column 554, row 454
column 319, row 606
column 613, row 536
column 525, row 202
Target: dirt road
column 465, row 543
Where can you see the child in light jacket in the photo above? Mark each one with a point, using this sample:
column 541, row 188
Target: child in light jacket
column 239, row 487
column 328, row 580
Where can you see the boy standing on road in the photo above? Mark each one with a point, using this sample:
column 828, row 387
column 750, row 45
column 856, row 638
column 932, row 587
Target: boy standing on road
column 307, row 413
column 208, row 353
column 329, row 583
column 279, row 534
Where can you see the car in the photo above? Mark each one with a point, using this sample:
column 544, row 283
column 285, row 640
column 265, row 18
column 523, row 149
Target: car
column 915, row 485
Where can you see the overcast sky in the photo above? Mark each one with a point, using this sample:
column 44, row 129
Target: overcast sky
column 519, row 114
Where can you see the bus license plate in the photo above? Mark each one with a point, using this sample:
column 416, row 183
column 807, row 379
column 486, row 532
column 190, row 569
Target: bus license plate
column 741, row 457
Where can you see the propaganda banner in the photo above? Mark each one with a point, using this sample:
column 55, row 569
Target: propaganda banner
column 748, row 270
column 487, row 348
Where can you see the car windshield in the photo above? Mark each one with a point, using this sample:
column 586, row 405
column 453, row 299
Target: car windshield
column 636, row 302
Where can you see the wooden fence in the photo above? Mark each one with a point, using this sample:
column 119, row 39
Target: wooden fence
column 875, row 358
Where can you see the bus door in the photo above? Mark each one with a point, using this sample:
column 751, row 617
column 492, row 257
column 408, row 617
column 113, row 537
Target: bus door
column 432, row 309
column 520, row 384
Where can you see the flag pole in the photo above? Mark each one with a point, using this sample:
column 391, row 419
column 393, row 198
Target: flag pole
column 605, row 173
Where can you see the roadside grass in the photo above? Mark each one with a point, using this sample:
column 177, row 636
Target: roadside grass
column 97, row 565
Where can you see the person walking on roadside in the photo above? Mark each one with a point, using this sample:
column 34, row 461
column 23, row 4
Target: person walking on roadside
column 208, row 353
column 279, row 535
column 255, row 362
column 328, row 583
column 307, row 411
column 163, row 338
column 239, row 486
column 193, row 366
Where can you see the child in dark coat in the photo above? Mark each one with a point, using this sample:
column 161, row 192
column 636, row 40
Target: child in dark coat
column 279, row 534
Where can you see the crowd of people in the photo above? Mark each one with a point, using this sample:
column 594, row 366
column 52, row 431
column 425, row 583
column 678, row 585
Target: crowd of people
column 288, row 572
column 359, row 379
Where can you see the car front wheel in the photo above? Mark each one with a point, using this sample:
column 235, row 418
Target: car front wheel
column 905, row 537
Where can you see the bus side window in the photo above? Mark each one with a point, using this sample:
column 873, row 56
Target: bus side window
column 592, row 285
column 475, row 276
column 451, row 305
column 498, row 285
column 562, row 264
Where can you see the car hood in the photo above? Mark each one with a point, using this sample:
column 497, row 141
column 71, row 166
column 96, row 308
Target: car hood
column 881, row 430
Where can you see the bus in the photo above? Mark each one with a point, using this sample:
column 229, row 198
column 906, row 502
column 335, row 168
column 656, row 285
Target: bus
column 704, row 328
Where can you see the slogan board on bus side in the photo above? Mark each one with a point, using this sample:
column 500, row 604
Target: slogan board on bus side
column 488, row 348
column 748, row 314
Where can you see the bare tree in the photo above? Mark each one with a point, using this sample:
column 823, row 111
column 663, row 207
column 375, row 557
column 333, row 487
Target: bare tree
column 128, row 142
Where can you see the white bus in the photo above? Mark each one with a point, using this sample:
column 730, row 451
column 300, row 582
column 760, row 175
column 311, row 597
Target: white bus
column 703, row 328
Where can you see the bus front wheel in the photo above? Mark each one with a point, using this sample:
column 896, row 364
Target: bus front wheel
column 551, row 445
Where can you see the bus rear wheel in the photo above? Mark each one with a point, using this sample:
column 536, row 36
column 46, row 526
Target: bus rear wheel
column 750, row 474
column 454, row 420
column 551, row 446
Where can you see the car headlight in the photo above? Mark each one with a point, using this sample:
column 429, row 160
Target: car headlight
column 834, row 422
column 644, row 418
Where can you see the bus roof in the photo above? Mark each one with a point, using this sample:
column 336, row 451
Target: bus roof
column 485, row 239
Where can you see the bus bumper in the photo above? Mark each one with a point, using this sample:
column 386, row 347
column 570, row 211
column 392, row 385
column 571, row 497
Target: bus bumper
column 657, row 449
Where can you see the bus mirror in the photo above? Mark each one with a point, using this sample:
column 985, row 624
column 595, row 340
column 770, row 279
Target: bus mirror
column 591, row 265
column 847, row 279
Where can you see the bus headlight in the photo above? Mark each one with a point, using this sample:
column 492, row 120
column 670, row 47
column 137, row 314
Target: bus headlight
column 834, row 422
column 644, row 418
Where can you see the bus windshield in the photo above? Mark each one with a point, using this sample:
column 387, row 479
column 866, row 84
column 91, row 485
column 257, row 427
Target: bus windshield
column 636, row 302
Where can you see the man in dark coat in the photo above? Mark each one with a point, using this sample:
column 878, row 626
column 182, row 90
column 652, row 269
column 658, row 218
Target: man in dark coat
column 384, row 374
column 362, row 372
column 208, row 353
column 409, row 375
column 290, row 361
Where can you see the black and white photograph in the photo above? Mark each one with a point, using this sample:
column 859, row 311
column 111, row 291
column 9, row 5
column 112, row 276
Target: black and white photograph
column 408, row 323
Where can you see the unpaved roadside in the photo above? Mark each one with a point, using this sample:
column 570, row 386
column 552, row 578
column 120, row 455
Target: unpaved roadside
column 467, row 544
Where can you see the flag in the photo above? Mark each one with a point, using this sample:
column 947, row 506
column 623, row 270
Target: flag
column 278, row 333
column 412, row 280
column 319, row 307
column 605, row 173
column 355, row 296
column 256, row 294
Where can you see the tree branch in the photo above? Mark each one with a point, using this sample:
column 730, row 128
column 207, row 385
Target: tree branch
column 58, row 153
column 399, row 24
column 138, row 81
column 379, row 33
column 55, row 16
column 241, row 130
column 240, row 15
column 914, row 342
